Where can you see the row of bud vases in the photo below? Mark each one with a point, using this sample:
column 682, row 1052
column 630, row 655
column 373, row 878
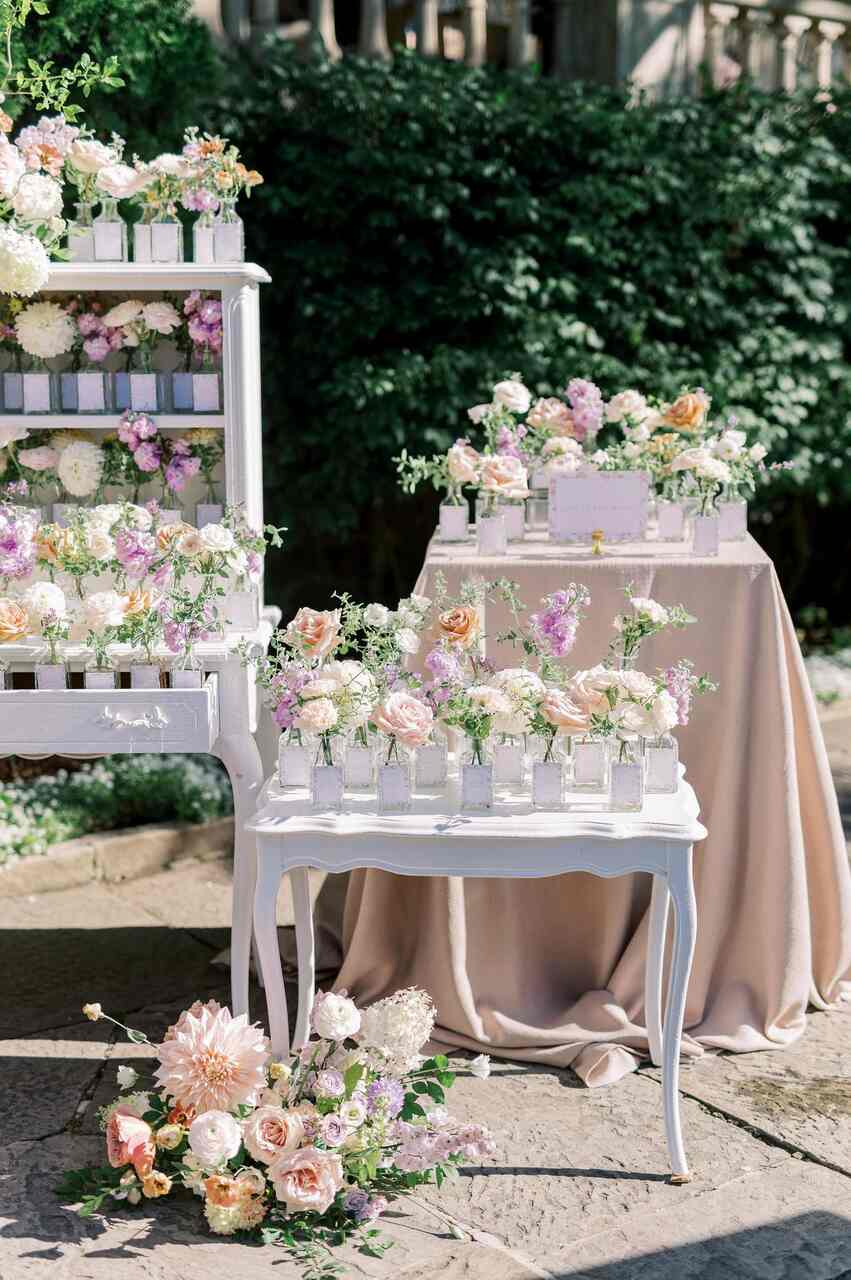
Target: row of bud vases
column 102, row 237
column 143, row 675
column 619, row 772
column 100, row 391
column 62, row 513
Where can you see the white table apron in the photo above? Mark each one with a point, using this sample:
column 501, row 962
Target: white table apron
column 513, row 841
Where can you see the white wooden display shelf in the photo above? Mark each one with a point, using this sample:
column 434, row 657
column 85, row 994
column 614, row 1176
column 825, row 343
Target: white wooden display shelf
column 122, row 277
column 511, row 841
column 65, row 420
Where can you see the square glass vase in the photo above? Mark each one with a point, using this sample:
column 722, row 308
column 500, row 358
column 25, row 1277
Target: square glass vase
column 294, row 762
column 431, row 765
column 453, row 522
column 491, row 535
column 98, row 678
column 476, row 787
column 590, row 765
column 359, row 767
column 626, row 786
column 661, row 766
column 326, row 787
column 394, row 787
column 509, row 763
column 50, row 675
column 548, row 784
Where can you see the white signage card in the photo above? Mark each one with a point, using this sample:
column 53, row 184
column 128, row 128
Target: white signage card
column 328, row 784
column 108, row 242
column 661, row 768
column 205, row 392
column 90, row 393
column 477, row 785
column 165, row 244
column 613, row 501
column 508, row 762
column 36, row 393
column 589, row 764
column 143, row 392
column 547, row 785
column 359, row 767
column 431, row 766
column 294, row 765
column 228, row 242
column 626, row 783
column 203, row 244
column 394, row 786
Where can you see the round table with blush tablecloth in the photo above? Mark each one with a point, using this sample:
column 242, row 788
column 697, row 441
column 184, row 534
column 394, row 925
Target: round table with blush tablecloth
column 553, row 970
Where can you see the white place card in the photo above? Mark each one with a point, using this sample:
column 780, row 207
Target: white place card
column 293, row 765
column 165, row 242
column 36, row 393
column 733, row 521
column 50, row 675
column 547, row 785
column 186, row 678
column 108, row 242
column 99, row 679
column 81, row 244
column 144, row 676
column 453, row 522
column 431, row 765
column 242, row 610
column 662, row 773
column 2, row 678
column 13, row 391
column 228, row 242
column 328, row 785
column 614, row 501
column 181, row 392
column 202, row 238
column 91, row 396
column 205, row 392
column 142, row 242
column 394, row 788
column 170, row 515
column 626, row 790
column 589, row 765
column 359, row 767
column 477, row 786
column 143, row 392
column 508, row 763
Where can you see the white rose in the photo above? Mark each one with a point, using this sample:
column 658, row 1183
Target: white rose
column 714, row 469
column 123, row 313
column 44, row 598
column 160, row 317
column 758, row 452
column 38, row 198
column 480, row 1067
column 635, row 684
column 518, row 683
column 89, row 156
column 214, row 1137
column 657, row 613
column 104, row 516
column 512, row 395
column 627, row 404
column 335, row 1017
column 102, row 610
column 729, row 445
column 215, row 537
column 407, row 640
column 376, row 615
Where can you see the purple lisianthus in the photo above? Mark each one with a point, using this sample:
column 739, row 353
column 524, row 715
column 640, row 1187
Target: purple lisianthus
column 386, row 1095
column 89, row 324
column 199, row 201
column 356, row 1202
column 333, row 1131
column 135, row 552
column 330, row 1083
column 179, row 470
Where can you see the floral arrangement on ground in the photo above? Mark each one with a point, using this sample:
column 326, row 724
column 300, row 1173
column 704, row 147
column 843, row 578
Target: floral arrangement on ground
column 305, row 1153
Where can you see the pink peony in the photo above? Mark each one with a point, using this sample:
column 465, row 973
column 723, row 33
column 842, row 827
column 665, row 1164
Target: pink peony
column 308, row 1180
column 403, row 716
column 213, row 1061
column 130, row 1140
column 271, row 1132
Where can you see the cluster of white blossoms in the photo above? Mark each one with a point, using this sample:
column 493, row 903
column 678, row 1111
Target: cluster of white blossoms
column 398, row 1026
column 45, row 330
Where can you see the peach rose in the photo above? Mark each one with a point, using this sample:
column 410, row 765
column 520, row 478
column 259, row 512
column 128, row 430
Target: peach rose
column 688, row 412
column 317, row 716
column 551, row 414
column 403, row 716
column 189, row 543
column 558, row 710
column 307, row 1181
column 14, row 621
column 314, row 631
column 53, row 542
column 588, row 688
column 463, row 462
column 223, row 1190
column 461, row 625
column 167, row 533
column 138, row 601
column 504, row 476
column 130, row 1140
column 270, row 1132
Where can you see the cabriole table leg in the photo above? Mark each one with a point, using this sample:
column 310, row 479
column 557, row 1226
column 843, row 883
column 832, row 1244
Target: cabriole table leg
column 239, row 754
column 685, row 931
column 306, row 951
column 655, row 963
column 266, row 935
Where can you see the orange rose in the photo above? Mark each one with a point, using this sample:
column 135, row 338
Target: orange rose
column 461, row 625
column 156, row 1184
column 688, row 412
column 130, row 1140
column 138, row 601
column 168, row 532
column 14, row 621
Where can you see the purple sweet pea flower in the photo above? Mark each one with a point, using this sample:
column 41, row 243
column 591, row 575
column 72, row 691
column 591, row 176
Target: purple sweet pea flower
column 148, row 456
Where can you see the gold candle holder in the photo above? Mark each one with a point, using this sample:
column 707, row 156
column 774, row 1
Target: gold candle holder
column 597, row 542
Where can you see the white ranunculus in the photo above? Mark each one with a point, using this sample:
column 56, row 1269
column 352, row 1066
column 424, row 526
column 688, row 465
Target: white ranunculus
column 100, row 543
column 635, row 684
column 80, row 468
column 657, row 613
column 161, row 317
column 407, row 640
column 12, row 168
column 758, row 452
column 714, row 469
column 376, row 615
column 24, row 263
column 512, row 395
column 214, row 1137
column 215, row 537
column 691, row 459
column 89, row 156
column 37, row 199
column 102, row 610
column 44, row 598
column 518, row 683
column 123, row 313
column 627, row 404
column 44, row 329
column 335, row 1017
column 480, row 1067
column 105, row 515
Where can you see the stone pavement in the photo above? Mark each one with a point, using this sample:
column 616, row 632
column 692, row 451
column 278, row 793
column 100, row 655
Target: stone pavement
column 578, row 1189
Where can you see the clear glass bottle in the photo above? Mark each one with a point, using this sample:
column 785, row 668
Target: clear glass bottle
column 732, row 515
column 394, row 776
column 514, row 515
column 590, row 765
column 491, row 534
column 626, row 777
column 110, row 233
column 671, row 521
column 661, row 765
column 295, row 758
column 476, row 776
column 509, row 760
column 228, row 233
column 202, row 238
column 706, row 537
column 360, row 760
column 81, row 235
column 453, row 521
column 326, row 775
column 431, row 764
column 166, row 237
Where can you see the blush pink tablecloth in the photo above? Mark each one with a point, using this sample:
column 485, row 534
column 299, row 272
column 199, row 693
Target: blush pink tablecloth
column 552, row 970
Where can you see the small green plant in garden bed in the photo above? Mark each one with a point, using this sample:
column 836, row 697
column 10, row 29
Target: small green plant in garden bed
column 106, row 795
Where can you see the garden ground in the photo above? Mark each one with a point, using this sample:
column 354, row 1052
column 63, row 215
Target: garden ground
column 577, row 1191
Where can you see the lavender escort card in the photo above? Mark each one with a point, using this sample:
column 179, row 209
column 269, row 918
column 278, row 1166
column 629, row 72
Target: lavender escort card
column 614, row 502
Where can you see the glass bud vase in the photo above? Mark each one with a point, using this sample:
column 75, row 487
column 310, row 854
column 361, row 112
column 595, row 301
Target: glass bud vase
column 547, row 773
column 359, row 764
column 706, row 538
column 590, row 765
column 166, row 237
column 228, row 234
column 452, row 521
column 294, row 759
column 661, row 765
column 626, row 779
column 81, row 235
column 509, row 761
column 732, row 519
column 476, row 777
column 202, row 238
column 431, row 765
column 514, row 515
column 491, row 535
column 394, row 777
column 671, row 521
column 110, row 233
column 50, row 675
column 326, row 775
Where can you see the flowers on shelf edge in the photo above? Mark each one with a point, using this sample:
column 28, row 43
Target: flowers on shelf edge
column 304, row 1153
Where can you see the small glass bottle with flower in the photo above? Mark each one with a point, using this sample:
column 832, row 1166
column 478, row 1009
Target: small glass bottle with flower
column 48, row 618
column 218, row 179
column 448, row 473
column 405, row 720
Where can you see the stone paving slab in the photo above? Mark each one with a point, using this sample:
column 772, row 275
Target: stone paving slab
column 800, row 1095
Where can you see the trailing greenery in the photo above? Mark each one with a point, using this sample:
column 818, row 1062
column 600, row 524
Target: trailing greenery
column 119, row 791
column 430, row 228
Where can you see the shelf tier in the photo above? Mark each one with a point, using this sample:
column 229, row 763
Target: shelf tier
column 109, row 421
column 124, row 276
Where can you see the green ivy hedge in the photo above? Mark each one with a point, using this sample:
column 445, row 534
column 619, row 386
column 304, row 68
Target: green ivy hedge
column 431, row 228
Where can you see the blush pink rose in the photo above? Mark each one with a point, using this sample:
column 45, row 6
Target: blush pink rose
column 130, row 1140
column 271, row 1132
column 42, row 459
column 463, row 462
column 307, row 1181
column 403, row 716
column 588, row 688
column 314, row 631
column 558, row 710
column 505, row 476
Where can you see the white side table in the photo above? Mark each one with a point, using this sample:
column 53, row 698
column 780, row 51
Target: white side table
column 513, row 840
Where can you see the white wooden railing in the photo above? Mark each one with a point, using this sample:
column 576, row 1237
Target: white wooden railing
column 779, row 45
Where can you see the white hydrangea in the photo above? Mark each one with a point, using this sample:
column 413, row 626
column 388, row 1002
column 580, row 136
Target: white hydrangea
column 12, row 168
column 44, row 329
column 24, row 263
column 80, row 467
column 37, row 198
column 398, row 1027
column 407, row 640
